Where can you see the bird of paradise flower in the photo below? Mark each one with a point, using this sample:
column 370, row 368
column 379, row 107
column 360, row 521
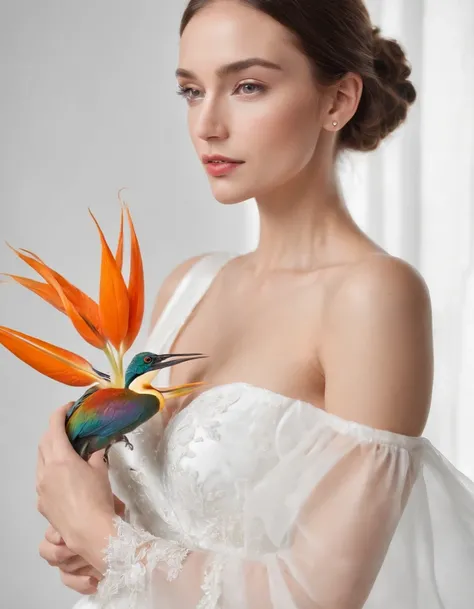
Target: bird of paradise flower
column 118, row 402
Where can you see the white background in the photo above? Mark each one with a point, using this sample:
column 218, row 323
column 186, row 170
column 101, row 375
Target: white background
column 87, row 106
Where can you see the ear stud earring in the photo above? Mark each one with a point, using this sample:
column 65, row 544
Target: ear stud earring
column 334, row 123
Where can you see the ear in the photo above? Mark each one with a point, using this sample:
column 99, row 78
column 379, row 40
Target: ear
column 345, row 97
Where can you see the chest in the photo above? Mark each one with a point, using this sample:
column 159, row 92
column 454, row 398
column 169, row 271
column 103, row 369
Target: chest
column 269, row 335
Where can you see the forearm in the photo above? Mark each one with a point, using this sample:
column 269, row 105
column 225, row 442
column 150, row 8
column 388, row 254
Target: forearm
column 93, row 541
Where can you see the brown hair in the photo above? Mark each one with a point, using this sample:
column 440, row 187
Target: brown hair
column 338, row 37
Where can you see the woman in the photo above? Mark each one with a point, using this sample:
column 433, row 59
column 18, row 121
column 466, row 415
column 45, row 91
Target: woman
column 300, row 478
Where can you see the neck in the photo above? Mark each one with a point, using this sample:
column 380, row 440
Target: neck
column 142, row 384
column 304, row 224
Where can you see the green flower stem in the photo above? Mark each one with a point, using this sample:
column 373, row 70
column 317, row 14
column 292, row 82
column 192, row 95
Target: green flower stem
column 120, row 360
column 113, row 363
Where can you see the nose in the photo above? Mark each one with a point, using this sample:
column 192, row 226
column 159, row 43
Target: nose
column 211, row 122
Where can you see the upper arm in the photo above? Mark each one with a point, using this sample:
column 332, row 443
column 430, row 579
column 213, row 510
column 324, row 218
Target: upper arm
column 377, row 350
column 169, row 285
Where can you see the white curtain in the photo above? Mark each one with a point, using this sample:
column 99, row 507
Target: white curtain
column 415, row 197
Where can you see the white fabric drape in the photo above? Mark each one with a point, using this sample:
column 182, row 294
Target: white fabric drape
column 415, row 196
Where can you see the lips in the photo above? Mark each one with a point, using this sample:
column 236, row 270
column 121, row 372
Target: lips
column 218, row 159
column 221, row 169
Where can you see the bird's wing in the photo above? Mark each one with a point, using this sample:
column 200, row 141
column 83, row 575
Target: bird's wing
column 80, row 400
column 108, row 411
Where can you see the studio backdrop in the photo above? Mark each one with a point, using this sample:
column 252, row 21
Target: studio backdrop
column 88, row 106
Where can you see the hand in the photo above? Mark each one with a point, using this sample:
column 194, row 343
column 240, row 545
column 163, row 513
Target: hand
column 75, row 572
column 73, row 495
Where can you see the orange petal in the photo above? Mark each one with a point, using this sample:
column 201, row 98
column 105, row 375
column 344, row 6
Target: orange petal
column 119, row 253
column 82, row 324
column 43, row 290
column 136, row 287
column 88, row 332
column 22, row 249
column 113, row 300
column 84, row 305
column 59, row 364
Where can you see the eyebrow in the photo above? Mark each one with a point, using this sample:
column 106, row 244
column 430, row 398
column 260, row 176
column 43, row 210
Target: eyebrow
column 235, row 66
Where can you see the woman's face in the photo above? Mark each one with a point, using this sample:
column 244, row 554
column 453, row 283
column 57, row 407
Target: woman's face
column 267, row 117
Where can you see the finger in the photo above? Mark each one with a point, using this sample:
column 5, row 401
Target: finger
column 53, row 536
column 53, row 554
column 74, row 564
column 59, row 446
column 90, row 571
column 80, row 583
column 39, row 466
column 42, row 444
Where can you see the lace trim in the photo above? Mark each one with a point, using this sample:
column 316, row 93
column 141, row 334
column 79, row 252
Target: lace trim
column 131, row 557
column 212, row 585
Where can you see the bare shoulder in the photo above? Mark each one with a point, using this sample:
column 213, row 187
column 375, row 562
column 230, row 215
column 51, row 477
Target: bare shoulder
column 377, row 352
column 382, row 281
column 169, row 285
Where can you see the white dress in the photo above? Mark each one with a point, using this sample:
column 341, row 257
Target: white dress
column 248, row 499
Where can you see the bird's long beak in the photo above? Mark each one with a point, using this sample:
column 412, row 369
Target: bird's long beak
column 179, row 359
column 178, row 390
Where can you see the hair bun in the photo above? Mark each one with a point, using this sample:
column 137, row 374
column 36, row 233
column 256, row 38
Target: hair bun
column 391, row 66
column 385, row 98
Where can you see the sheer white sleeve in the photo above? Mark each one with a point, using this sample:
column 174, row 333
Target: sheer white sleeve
column 336, row 506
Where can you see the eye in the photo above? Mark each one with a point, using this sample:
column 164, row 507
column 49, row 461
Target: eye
column 147, row 359
column 186, row 91
column 251, row 84
column 183, row 91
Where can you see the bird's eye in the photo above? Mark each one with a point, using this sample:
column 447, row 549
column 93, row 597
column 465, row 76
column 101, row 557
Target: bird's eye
column 147, row 359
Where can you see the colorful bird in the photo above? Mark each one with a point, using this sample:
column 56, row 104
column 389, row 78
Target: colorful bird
column 102, row 417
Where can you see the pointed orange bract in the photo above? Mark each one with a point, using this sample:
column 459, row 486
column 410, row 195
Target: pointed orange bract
column 113, row 300
column 114, row 321
column 82, row 325
column 59, row 364
column 136, row 287
column 119, row 253
column 82, row 303
column 88, row 332
column 43, row 290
